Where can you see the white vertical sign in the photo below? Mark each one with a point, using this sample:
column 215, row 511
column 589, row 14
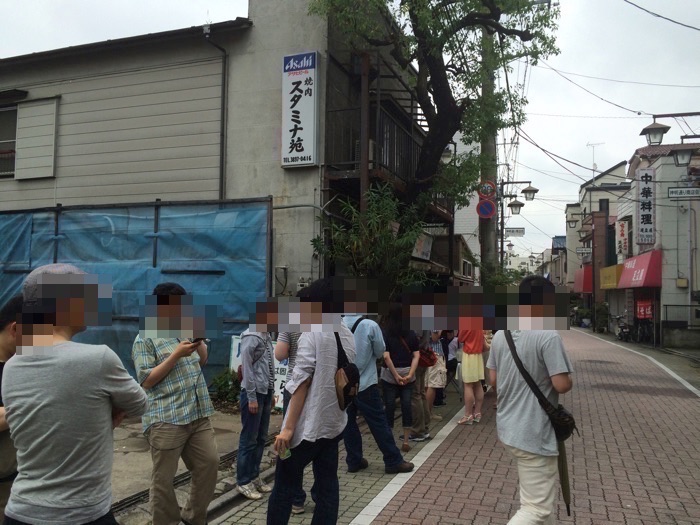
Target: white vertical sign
column 299, row 110
column 621, row 241
column 646, row 198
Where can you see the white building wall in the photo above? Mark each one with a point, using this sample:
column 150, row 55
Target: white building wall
column 254, row 130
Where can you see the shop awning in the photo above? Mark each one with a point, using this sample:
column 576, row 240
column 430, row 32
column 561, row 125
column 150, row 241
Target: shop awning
column 583, row 280
column 642, row 271
column 610, row 276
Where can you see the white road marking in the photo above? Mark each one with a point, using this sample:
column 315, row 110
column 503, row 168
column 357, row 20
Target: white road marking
column 663, row 367
column 376, row 506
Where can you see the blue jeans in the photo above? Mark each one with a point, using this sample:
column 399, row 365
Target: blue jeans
column 369, row 403
column 391, row 391
column 251, row 445
column 289, row 477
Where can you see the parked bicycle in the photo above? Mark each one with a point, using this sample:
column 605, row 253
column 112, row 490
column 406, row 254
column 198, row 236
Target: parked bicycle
column 644, row 331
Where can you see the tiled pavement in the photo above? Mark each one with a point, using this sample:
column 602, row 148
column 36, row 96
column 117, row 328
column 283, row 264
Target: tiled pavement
column 637, row 460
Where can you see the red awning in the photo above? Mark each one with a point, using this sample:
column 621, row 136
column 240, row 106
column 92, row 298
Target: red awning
column 583, row 280
column 643, row 271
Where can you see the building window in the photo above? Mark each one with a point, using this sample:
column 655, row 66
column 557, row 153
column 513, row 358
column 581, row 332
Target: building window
column 8, row 144
column 467, row 268
column 604, row 205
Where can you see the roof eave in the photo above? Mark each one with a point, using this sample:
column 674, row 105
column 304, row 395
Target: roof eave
column 163, row 36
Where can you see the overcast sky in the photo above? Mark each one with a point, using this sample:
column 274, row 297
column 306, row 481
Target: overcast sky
column 601, row 38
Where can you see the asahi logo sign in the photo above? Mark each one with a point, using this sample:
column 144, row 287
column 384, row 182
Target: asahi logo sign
column 299, row 110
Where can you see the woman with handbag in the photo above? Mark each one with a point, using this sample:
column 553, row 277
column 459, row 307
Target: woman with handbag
column 472, row 374
column 399, row 373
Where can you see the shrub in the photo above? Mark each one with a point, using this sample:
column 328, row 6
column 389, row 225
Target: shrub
column 226, row 386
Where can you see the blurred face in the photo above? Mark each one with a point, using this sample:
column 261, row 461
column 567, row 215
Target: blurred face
column 435, row 336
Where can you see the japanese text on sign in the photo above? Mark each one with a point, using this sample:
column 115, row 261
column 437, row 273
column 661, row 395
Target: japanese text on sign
column 646, row 198
column 621, row 240
column 299, row 110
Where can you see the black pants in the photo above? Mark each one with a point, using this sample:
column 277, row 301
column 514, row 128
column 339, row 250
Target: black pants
column 107, row 519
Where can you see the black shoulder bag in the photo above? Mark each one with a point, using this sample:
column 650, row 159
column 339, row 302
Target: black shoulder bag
column 347, row 377
column 562, row 420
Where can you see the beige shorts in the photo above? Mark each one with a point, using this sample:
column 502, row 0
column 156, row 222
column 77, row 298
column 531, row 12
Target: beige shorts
column 436, row 376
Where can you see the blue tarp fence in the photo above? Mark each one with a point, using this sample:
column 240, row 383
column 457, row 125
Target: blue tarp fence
column 220, row 251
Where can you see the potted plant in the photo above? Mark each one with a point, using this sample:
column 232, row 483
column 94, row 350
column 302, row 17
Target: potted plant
column 584, row 314
column 602, row 315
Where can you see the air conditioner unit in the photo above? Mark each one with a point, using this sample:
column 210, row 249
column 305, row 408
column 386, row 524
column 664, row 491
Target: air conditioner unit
column 301, row 285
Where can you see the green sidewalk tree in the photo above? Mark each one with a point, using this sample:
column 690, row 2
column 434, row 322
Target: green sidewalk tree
column 375, row 244
column 442, row 41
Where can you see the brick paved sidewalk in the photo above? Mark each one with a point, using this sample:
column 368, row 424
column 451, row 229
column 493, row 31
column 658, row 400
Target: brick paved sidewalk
column 636, row 462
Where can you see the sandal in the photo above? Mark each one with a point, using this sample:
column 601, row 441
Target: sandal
column 466, row 420
column 477, row 417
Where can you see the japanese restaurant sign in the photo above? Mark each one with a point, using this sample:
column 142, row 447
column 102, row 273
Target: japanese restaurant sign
column 621, row 240
column 299, row 110
column 646, row 208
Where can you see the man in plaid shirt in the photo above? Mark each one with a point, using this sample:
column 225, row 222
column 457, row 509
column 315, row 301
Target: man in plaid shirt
column 177, row 423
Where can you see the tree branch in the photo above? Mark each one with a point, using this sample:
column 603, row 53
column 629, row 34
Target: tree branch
column 487, row 21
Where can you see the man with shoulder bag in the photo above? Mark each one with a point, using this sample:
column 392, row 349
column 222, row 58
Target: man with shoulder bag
column 524, row 426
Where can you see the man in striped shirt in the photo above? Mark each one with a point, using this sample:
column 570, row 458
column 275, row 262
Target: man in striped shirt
column 177, row 423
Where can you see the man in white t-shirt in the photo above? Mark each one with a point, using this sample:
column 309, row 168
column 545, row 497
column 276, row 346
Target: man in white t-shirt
column 523, row 426
column 314, row 422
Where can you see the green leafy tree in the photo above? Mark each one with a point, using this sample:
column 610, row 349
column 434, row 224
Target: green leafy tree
column 442, row 41
column 377, row 243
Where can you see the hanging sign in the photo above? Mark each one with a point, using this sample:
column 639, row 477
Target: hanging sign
column 515, row 232
column 646, row 199
column 621, row 240
column 299, row 110
column 645, row 309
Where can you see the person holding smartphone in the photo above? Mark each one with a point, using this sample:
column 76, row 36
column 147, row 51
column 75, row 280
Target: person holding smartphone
column 177, row 423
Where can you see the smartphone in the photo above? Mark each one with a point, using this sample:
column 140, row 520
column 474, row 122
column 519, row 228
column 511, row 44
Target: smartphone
column 197, row 340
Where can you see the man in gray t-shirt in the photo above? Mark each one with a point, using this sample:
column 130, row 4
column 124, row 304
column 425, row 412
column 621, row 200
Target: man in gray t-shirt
column 523, row 426
column 62, row 399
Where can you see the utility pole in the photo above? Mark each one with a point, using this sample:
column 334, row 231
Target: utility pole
column 489, row 172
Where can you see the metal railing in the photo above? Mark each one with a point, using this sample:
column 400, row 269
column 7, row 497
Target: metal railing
column 392, row 146
column 398, row 150
column 683, row 316
column 7, row 157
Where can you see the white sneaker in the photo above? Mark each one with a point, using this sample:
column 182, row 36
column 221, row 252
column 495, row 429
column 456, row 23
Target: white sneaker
column 261, row 486
column 249, row 491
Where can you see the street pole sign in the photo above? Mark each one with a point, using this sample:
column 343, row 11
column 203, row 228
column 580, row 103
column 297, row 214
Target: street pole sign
column 684, row 193
column 486, row 209
column 486, row 190
column 584, row 251
column 514, row 232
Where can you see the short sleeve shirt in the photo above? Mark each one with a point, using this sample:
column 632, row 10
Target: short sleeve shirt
column 182, row 396
column 520, row 420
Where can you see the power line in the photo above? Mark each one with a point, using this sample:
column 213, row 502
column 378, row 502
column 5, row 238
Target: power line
column 584, row 116
column 657, row 15
column 638, row 112
column 684, row 86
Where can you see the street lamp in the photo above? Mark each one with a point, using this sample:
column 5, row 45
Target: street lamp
column 530, row 192
column 515, row 206
column 571, row 223
column 510, row 246
column 655, row 133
